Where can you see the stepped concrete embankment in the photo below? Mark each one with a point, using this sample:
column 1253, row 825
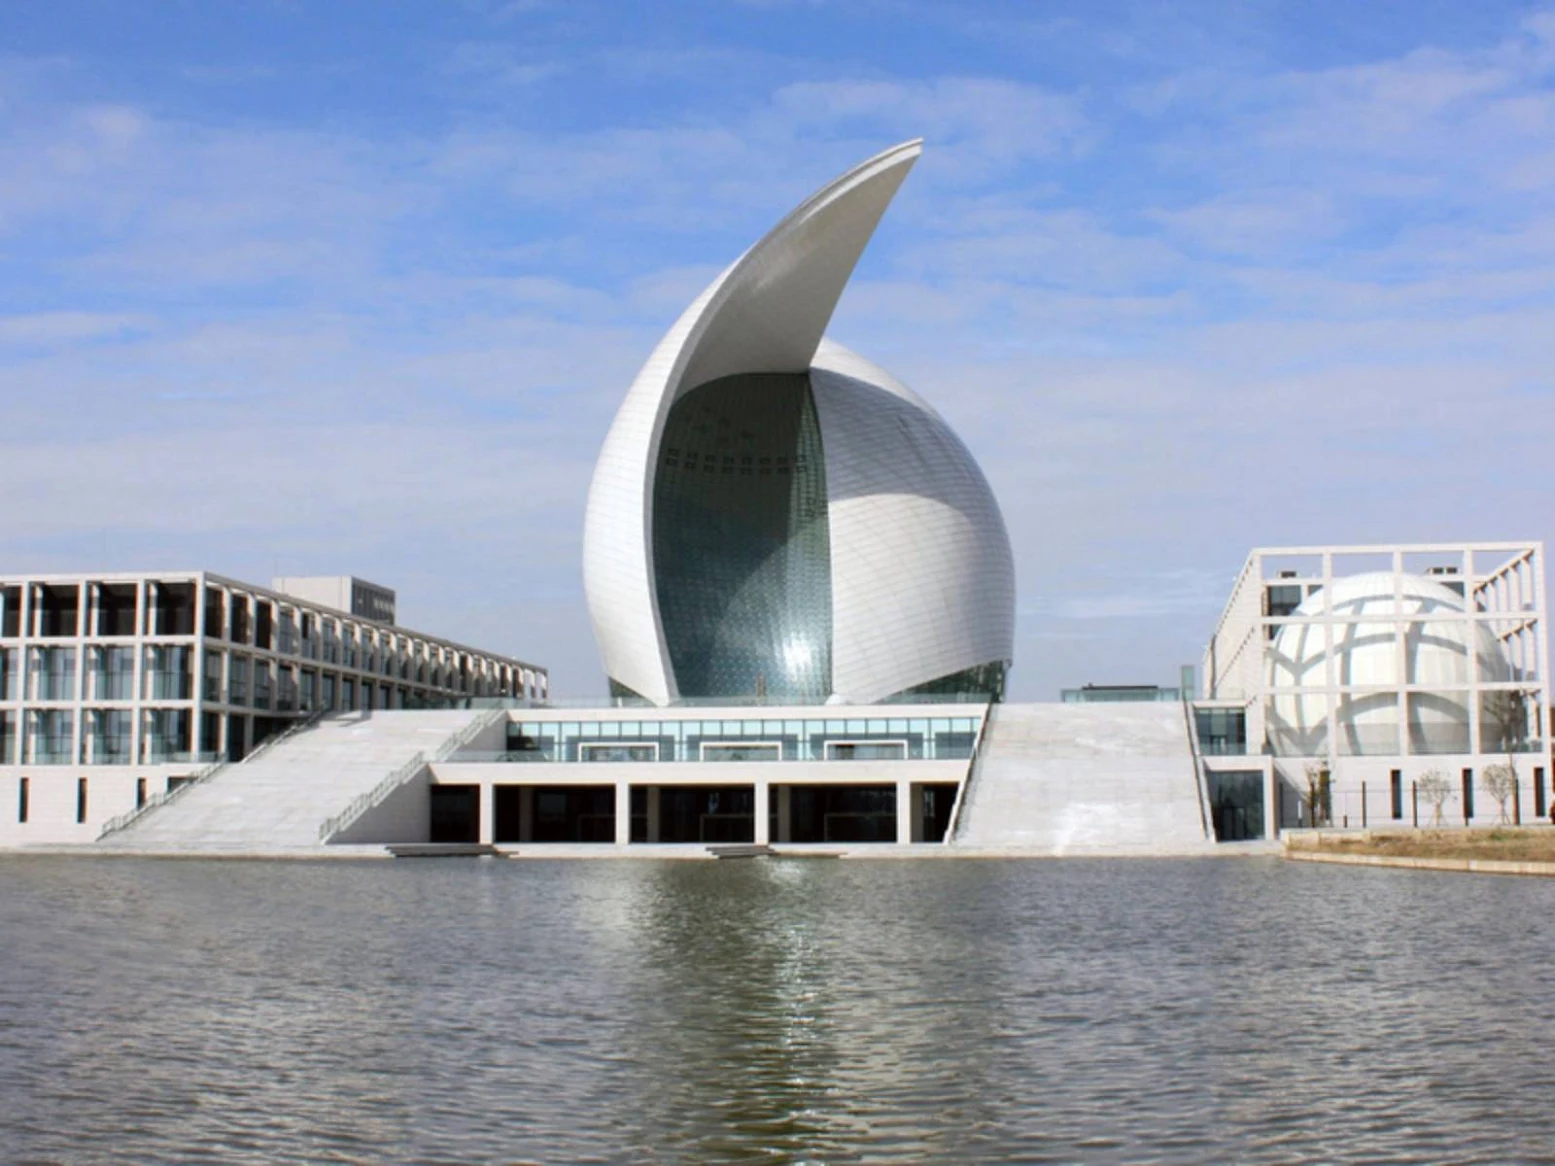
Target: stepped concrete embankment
column 1079, row 779
column 276, row 803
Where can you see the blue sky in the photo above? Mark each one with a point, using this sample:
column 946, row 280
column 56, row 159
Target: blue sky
column 298, row 287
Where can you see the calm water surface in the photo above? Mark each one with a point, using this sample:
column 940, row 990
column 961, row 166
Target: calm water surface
column 787, row 1011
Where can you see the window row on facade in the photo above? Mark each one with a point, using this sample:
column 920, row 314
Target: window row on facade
column 167, row 674
column 860, row 739
column 87, row 609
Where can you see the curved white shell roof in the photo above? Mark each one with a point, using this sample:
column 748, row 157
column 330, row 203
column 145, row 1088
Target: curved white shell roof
column 921, row 572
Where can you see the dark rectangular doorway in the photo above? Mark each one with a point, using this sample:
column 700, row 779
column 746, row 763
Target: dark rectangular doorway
column 936, row 800
column 455, row 813
column 1236, row 804
column 706, row 814
column 563, row 813
column 842, row 813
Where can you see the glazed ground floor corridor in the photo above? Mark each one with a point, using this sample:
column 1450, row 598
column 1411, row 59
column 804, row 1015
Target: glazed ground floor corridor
column 899, row 812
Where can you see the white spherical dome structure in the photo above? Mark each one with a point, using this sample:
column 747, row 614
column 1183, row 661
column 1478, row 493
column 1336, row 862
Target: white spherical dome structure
column 1439, row 656
column 773, row 516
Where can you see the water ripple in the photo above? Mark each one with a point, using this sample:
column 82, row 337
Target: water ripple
column 796, row 1012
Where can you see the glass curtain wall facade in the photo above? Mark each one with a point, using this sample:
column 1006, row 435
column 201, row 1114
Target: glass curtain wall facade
column 742, row 739
column 742, row 554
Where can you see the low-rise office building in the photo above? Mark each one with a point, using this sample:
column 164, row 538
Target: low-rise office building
column 114, row 686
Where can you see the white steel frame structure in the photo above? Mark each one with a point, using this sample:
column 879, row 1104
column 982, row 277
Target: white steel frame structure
column 1504, row 603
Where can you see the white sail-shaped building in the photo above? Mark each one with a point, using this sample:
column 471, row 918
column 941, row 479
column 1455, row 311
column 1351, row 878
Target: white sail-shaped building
column 773, row 516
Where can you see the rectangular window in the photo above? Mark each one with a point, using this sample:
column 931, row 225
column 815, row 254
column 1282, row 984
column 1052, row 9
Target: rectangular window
column 1468, row 795
column 240, row 627
column 140, row 793
column 10, row 673
column 108, row 736
column 210, row 737
column 1539, row 804
column 327, row 692
column 215, row 626
column 347, row 694
column 80, row 800
column 51, row 733
column 237, row 737
column 8, row 738
column 10, row 612
column 306, row 692
column 264, row 623
column 23, row 789
column 59, row 610
column 113, row 673
column 174, row 609
column 237, row 680
column 55, row 672
column 116, row 609
column 169, row 673
column 866, row 750
column 1396, row 793
column 261, row 684
column 165, row 735
column 212, row 680
column 647, row 751
column 286, row 631
column 742, row 751
column 285, row 689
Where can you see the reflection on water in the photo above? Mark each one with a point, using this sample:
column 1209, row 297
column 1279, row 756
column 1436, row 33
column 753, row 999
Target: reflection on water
column 804, row 1011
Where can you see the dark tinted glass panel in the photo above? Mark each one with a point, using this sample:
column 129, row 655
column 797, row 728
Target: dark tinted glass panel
column 58, row 610
column 982, row 680
column 10, row 612
column 214, row 613
column 239, row 619
column 116, row 609
column 175, row 609
column 741, row 549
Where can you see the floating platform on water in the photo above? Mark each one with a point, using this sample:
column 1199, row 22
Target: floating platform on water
column 442, row 850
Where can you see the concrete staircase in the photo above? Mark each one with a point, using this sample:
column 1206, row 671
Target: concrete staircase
column 277, row 801
column 1076, row 779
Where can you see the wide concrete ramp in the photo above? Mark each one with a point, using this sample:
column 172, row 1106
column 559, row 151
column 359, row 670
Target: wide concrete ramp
column 1076, row 779
column 276, row 801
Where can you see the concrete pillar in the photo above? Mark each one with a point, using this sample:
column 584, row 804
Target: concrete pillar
column 526, row 814
column 915, row 800
column 785, row 813
column 904, row 811
column 653, row 813
column 1271, row 803
column 486, row 812
column 761, row 813
column 623, row 813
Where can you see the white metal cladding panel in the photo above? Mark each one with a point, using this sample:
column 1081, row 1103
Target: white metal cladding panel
column 923, row 582
column 765, row 313
column 617, row 579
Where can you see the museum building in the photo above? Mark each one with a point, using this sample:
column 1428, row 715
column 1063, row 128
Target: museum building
column 803, row 595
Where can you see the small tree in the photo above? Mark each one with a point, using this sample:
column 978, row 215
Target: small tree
column 1500, row 782
column 1437, row 790
column 1504, row 714
column 1319, row 796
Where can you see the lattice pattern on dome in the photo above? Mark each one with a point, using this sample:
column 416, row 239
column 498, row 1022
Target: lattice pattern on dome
column 741, row 548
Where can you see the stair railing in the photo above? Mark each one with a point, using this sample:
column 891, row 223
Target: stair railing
column 965, row 791
column 204, row 774
column 1200, row 778
column 380, row 792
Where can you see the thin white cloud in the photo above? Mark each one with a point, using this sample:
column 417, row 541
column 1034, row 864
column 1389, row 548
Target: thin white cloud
column 48, row 329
